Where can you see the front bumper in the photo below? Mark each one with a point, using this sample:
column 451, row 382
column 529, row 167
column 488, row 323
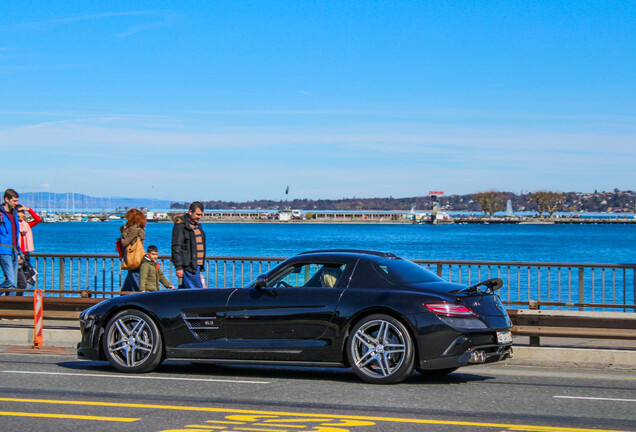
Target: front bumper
column 88, row 347
column 87, row 353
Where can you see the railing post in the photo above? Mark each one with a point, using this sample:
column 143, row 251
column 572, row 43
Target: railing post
column 534, row 340
column 61, row 275
column 581, row 287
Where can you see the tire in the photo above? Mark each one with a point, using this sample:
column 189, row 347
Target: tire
column 132, row 342
column 436, row 373
column 380, row 350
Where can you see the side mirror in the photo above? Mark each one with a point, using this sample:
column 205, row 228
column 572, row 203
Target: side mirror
column 260, row 282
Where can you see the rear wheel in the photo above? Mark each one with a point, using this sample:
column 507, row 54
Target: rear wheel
column 132, row 342
column 380, row 350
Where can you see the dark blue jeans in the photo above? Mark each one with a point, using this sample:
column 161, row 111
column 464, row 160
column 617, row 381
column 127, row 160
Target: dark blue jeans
column 131, row 283
column 9, row 265
column 191, row 280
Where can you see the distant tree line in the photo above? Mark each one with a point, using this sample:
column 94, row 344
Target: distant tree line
column 490, row 202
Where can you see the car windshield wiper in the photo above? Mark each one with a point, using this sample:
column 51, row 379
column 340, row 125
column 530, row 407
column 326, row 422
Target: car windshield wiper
column 491, row 285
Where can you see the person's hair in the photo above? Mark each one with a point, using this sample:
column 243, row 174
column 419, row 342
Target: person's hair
column 152, row 248
column 196, row 205
column 135, row 217
column 10, row 193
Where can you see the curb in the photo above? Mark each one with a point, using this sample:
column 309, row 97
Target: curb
column 62, row 338
column 44, row 350
column 574, row 358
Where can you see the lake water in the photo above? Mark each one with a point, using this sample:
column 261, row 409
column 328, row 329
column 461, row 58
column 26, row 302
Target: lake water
column 603, row 244
column 553, row 243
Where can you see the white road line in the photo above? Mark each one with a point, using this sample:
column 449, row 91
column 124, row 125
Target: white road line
column 137, row 377
column 595, row 398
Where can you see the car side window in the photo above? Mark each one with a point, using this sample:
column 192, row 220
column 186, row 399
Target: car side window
column 309, row 275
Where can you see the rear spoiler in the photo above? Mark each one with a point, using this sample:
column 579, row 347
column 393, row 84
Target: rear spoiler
column 491, row 285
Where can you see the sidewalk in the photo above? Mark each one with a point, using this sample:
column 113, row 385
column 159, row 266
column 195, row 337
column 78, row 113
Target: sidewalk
column 56, row 333
column 562, row 352
column 576, row 353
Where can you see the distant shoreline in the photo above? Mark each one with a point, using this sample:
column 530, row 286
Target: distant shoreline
column 389, row 221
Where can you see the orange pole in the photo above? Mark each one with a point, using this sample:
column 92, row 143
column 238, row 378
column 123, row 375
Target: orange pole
column 38, row 340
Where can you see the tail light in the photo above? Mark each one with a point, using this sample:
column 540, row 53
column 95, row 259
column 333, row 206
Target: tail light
column 450, row 309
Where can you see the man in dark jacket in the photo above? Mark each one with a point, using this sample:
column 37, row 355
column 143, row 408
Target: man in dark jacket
column 9, row 240
column 188, row 247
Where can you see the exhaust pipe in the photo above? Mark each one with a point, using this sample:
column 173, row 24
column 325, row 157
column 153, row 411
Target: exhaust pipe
column 477, row 357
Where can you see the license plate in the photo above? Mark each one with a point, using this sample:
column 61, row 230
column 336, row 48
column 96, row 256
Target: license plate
column 504, row 337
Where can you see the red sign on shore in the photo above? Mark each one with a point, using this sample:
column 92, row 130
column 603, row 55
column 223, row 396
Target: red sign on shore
column 430, row 193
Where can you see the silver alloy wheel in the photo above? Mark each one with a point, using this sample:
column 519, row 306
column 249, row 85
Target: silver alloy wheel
column 378, row 349
column 130, row 341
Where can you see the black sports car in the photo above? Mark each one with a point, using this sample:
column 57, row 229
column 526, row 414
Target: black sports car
column 381, row 315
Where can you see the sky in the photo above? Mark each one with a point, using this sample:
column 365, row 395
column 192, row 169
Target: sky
column 236, row 100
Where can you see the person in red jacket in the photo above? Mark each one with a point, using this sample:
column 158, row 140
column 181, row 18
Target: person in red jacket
column 25, row 270
column 26, row 235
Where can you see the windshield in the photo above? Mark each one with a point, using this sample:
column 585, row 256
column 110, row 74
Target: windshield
column 403, row 271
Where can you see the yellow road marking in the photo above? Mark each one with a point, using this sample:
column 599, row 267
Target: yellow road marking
column 205, row 426
column 225, row 422
column 260, row 430
column 516, row 427
column 67, row 416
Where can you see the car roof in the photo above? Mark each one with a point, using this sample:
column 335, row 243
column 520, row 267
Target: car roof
column 350, row 252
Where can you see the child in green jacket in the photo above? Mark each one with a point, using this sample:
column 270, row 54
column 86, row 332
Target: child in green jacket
column 150, row 273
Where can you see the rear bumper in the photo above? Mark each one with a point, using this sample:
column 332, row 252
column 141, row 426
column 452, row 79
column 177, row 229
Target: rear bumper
column 479, row 354
column 462, row 353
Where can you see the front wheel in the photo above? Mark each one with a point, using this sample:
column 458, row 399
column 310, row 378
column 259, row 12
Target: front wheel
column 132, row 342
column 380, row 350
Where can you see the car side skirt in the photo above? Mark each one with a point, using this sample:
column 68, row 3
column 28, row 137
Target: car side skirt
column 258, row 362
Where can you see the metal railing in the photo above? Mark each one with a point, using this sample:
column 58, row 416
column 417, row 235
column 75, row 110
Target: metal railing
column 551, row 285
column 545, row 285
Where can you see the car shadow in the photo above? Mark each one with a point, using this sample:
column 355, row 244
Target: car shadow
column 457, row 377
column 87, row 365
column 341, row 375
column 261, row 371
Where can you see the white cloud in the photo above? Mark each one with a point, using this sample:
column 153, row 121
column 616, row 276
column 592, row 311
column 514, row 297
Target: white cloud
column 122, row 154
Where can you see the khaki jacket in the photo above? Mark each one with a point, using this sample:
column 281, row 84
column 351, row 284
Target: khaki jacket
column 150, row 274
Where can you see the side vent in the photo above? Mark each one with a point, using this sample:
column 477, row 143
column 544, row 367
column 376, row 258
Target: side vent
column 204, row 327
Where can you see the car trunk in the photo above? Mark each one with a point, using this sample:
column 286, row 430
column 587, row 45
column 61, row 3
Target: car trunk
column 488, row 306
